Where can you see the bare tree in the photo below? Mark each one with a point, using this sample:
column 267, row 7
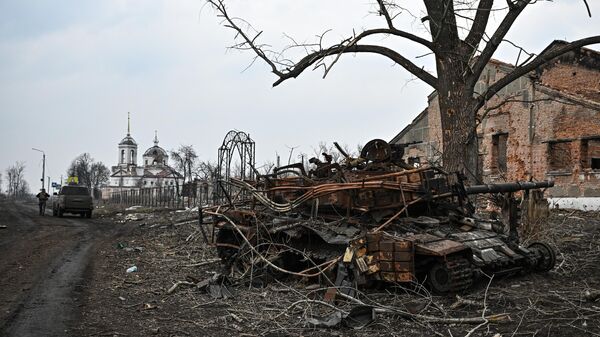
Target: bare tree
column 206, row 170
column 208, row 173
column 23, row 190
column 185, row 158
column 99, row 175
column 80, row 167
column 460, row 54
column 89, row 172
column 17, row 186
column 266, row 168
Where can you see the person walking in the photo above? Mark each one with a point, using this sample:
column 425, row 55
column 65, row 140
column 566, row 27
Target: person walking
column 42, row 197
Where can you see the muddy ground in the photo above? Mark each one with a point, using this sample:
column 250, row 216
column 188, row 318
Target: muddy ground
column 42, row 262
column 116, row 303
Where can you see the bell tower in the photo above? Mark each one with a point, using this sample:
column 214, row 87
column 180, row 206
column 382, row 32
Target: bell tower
column 128, row 148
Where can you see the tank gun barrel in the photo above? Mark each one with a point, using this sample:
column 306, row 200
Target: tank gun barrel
column 508, row 187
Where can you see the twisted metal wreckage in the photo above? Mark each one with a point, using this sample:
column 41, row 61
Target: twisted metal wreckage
column 369, row 220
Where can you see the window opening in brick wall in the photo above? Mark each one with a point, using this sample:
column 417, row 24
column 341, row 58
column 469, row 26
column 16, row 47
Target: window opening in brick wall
column 593, row 153
column 414, row 161
column 499, row 152
column 559, row 156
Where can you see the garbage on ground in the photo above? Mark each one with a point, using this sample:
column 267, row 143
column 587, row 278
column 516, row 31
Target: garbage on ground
column 134, row 217
column 359, row 317
column 591, row 295
column 216, row 286
column 219, row 291
column 133, row 249
column 132, row 269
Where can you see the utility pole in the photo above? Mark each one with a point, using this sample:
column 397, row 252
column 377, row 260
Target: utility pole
column 43, row 165
column 48, row 190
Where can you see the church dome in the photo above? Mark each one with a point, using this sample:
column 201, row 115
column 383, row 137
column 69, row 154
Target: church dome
column 156, row 155
column 156, row 151
column 128, row 140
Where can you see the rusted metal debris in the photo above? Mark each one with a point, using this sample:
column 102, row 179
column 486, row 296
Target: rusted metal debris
column 370, row 219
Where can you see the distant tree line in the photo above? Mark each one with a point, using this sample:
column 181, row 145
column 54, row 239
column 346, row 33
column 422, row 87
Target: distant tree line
column 16, row 185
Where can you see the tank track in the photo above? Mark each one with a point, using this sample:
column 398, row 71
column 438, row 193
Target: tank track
column 452, row 275
column 462, row 274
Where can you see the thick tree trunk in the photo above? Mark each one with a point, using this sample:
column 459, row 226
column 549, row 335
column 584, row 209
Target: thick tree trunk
column 460, row 152
column 457, row 112
column 455, row 96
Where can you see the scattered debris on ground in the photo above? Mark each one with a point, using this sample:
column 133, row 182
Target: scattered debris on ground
column 170, row 294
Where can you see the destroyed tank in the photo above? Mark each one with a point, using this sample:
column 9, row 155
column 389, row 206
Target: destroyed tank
column 373, row 219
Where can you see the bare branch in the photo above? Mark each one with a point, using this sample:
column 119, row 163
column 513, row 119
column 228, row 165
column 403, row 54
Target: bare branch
column 384, row 11
column 479, row 24
column 311, row 59
column 482, row 114
column 220, row 7
column 516, row 8
column 587, row 6
column 442, row 23
column 316, row 58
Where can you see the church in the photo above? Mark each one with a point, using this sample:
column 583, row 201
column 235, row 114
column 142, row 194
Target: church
column 154, row 171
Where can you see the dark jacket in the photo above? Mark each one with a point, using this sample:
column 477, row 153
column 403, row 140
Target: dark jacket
column 43, row 196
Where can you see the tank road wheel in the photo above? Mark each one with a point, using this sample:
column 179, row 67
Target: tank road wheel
column 546, row 256
column 453, row 275
column 439, row 278
column 376, row 150
column 228, row 245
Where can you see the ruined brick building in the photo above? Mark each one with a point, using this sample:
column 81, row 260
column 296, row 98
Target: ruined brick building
column 545, row 125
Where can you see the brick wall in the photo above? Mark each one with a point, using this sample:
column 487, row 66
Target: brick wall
column 576, row 80
column 551, row 129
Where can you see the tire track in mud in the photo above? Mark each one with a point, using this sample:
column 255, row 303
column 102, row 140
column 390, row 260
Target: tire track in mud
column 43, row 265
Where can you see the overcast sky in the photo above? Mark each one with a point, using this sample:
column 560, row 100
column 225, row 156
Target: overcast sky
column 70, row 70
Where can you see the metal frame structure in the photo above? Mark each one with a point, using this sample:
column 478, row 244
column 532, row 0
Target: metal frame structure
column 235, row 144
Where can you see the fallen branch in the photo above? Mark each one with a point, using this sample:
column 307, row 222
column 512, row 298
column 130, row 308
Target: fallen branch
column 486, row 321
column 463, row 301
column 203, row 263
column 498, row 318
column 177, row 284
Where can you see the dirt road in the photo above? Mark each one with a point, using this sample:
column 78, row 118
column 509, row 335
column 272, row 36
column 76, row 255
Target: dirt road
column 43, row 260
